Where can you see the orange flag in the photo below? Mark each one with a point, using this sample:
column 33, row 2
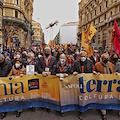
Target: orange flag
column 91, row 31
column 26, row 46
column 71, row 45
column 85, row 44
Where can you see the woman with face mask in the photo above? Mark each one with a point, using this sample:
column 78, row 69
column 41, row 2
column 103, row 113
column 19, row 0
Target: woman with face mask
column 70, row 60
column 62, row 69
column 17, row 70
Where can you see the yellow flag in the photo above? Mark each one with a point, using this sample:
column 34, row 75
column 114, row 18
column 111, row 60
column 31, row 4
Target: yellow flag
column 85, row 43
column 65, row 45
column 91, row 31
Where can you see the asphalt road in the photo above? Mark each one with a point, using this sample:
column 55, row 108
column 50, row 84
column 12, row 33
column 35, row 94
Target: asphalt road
column 41, row 114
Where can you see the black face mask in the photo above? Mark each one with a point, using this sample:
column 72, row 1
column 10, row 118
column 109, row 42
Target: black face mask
column 115, row 59
column 105, row 61
column 46, row 54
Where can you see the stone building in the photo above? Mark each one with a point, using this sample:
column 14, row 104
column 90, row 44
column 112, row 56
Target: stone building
column 17, row 20
column 101, row 13
column 38, row 36
column 1, row 14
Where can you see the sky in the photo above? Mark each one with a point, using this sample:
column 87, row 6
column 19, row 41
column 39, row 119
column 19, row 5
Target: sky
column 48, row 11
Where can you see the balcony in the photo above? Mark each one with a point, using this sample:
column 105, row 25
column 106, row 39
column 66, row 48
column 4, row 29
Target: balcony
column 18, row 22
column 15, row 6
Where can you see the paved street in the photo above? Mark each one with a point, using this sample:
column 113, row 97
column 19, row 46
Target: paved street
column 43, row 115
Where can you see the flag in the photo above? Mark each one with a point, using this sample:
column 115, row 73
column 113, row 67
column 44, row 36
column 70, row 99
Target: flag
column 65, row 45
column 85, row 44
column 54, row 44
column 51, row 43
column 71, row 45
column 91, row 31
column 26, row 45
column 116, row 38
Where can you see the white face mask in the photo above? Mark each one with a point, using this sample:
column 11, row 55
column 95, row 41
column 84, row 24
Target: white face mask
column 39, row 56
column 62, row 61
column 28, row 60
column 25, row 52
column 83, row 59
column 17, row 65
column 77, row 53
column 17, row 56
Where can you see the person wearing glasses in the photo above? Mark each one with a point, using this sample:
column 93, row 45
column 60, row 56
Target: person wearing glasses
column 95, row 57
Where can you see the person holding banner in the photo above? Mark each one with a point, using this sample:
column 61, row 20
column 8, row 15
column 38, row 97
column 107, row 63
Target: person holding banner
column 31, row 61
column 115, row 61
column 104, row 67
column 5, row 67
column 62, row 69
column 17, row 70
column 83, row 65
column 45, row 65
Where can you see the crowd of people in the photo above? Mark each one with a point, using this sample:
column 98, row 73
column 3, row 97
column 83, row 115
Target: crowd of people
column 59, row 61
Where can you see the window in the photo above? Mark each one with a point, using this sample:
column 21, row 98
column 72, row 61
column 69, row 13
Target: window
column 16, row 14
column 16, row 2
column 106, row 3
column 100, row 8
column 99, row 20
column 94, row 22
column 111, row 14
column 105, row 17
column 95, row 12
column 91, row 15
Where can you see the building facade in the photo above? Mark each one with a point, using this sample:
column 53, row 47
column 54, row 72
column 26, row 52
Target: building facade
column 38, row 36
column 57, row 38
column 101, row 13
column 1, row 14
column 17, row 20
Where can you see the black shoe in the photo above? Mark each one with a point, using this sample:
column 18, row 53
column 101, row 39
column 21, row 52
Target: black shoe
column 62, row 114
column 3, row 115
column 32, row 109
column 48, row 110
column 80, row 116
column 18, row 114
column 104, row 117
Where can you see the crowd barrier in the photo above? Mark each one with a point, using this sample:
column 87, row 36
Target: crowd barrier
column 80, row 92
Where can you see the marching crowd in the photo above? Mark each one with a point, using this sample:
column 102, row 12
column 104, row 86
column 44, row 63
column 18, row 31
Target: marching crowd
column 59, row 61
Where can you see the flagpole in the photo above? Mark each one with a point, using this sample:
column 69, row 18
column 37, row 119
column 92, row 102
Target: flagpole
column 97, row 34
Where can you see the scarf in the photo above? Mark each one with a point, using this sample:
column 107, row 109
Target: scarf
column 106, row 68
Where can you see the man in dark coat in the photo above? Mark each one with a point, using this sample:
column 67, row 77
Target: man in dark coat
column 83, row 65
column 62, row 66
column 46, row 63
column 95, row 57
column 5, row 67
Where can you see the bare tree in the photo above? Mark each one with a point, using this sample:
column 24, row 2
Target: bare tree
column 9, row 29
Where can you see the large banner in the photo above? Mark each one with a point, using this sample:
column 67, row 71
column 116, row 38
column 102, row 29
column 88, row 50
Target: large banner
column 29, row 91
column 80, row 92
column 87, row 91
